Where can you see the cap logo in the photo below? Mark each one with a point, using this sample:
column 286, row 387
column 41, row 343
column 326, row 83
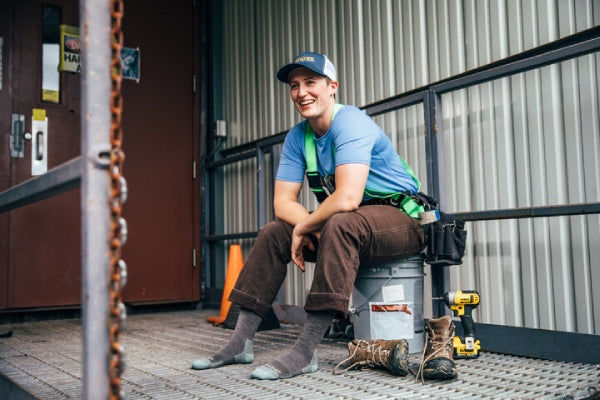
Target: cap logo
column 305, row 58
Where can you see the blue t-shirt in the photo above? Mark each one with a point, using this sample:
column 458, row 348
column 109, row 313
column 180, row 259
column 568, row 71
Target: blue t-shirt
column 353, row 137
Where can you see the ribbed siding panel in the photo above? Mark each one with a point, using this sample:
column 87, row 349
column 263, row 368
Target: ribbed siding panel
column 523, row 145
column 528, row 140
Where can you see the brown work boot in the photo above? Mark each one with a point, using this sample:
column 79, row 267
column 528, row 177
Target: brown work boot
column 388, row 354
column 437, row 361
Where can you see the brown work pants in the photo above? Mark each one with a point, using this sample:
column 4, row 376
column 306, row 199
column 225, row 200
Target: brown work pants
column 370, row 233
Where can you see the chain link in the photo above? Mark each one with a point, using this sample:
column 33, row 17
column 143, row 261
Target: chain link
column 118, row 193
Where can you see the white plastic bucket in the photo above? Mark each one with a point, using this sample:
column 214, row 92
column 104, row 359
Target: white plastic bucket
column 388, row 302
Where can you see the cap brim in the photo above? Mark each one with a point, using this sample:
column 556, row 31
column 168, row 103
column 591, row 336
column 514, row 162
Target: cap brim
column 284, row 72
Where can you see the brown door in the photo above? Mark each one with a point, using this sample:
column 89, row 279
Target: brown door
column 159, row 129
column 40, row 244
column 41, row 258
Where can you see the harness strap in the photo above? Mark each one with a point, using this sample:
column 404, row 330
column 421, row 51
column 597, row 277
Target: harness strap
column 309, row 142
column 400, row 200
column 312, row 175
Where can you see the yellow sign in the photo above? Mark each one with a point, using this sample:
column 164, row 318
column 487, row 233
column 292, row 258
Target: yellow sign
column 70, row 49
column 50, row 96
column 39, row 114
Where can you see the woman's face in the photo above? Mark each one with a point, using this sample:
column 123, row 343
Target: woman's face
column 311, row 93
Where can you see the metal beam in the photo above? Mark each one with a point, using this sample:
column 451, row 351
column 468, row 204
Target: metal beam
column 231, row 236
column 246, row 155
column 95, row 146
column 251, row 146
column 530, row 212
column 60, row 179
column 395, row 103
column 577, row 45
column 538, row 343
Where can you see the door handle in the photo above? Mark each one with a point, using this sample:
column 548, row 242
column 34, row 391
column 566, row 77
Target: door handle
column 39, row 147
column 39, row 142
column 18, row 128
column 16, row 136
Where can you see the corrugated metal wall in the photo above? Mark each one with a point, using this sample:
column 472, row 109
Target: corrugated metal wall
column 528, row 140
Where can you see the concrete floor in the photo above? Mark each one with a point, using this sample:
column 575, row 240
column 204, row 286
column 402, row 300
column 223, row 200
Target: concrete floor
column 42, row 360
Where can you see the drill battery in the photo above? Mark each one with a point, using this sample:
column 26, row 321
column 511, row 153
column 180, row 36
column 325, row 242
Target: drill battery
column 469, row 349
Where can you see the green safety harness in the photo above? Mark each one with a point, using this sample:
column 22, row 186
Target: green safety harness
column 317, row 183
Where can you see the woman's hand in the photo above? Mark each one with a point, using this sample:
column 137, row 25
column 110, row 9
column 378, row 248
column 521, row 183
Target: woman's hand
column 299, row 241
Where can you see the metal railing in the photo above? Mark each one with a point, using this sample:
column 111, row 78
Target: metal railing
column 573, row 46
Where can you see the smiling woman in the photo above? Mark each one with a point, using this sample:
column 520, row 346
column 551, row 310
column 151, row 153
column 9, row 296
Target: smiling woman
column 353, row 151
column 314, row 97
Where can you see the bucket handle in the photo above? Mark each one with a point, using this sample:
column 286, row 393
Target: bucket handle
column 358, row 309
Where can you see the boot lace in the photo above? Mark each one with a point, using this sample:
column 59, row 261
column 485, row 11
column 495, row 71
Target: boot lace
column 438, row 344
column 376, row 356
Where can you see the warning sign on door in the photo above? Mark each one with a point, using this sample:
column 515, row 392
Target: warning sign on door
column 70, row 49
column 130, row 63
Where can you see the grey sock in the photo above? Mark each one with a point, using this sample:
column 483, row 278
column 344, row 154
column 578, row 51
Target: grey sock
column 301, row 353
column 245, row 328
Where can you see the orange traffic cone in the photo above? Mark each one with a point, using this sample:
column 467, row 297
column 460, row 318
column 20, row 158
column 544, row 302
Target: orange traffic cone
column 234, row 266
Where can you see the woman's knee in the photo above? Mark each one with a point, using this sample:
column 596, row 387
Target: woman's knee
column 275, row 235
column 342, row 223
column 276, row 228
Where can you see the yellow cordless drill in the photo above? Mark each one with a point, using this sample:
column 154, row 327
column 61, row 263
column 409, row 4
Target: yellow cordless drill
column 462, row 302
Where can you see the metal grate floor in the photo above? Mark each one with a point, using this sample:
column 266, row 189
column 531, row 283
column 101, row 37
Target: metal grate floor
column 44, row 358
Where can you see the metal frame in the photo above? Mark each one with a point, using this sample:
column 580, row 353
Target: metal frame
column 65, row 177
column 579, row 44
column 95, row 189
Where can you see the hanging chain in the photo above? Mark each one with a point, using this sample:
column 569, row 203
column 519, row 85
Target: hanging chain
column 118, row 194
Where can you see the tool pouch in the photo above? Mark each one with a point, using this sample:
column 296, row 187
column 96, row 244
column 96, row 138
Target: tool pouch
column 447, row 239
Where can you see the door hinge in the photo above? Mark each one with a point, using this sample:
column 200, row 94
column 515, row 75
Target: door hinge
column 194, row 258
column 194, row 83
column 194, row 169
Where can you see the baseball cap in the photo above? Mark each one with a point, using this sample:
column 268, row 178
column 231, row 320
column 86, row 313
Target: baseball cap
column 316, row 62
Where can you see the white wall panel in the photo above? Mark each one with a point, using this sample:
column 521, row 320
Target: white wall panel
column 532, row 139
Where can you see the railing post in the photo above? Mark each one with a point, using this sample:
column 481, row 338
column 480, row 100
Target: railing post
column 434, row 147
column 261, row 188
column 95, row 149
